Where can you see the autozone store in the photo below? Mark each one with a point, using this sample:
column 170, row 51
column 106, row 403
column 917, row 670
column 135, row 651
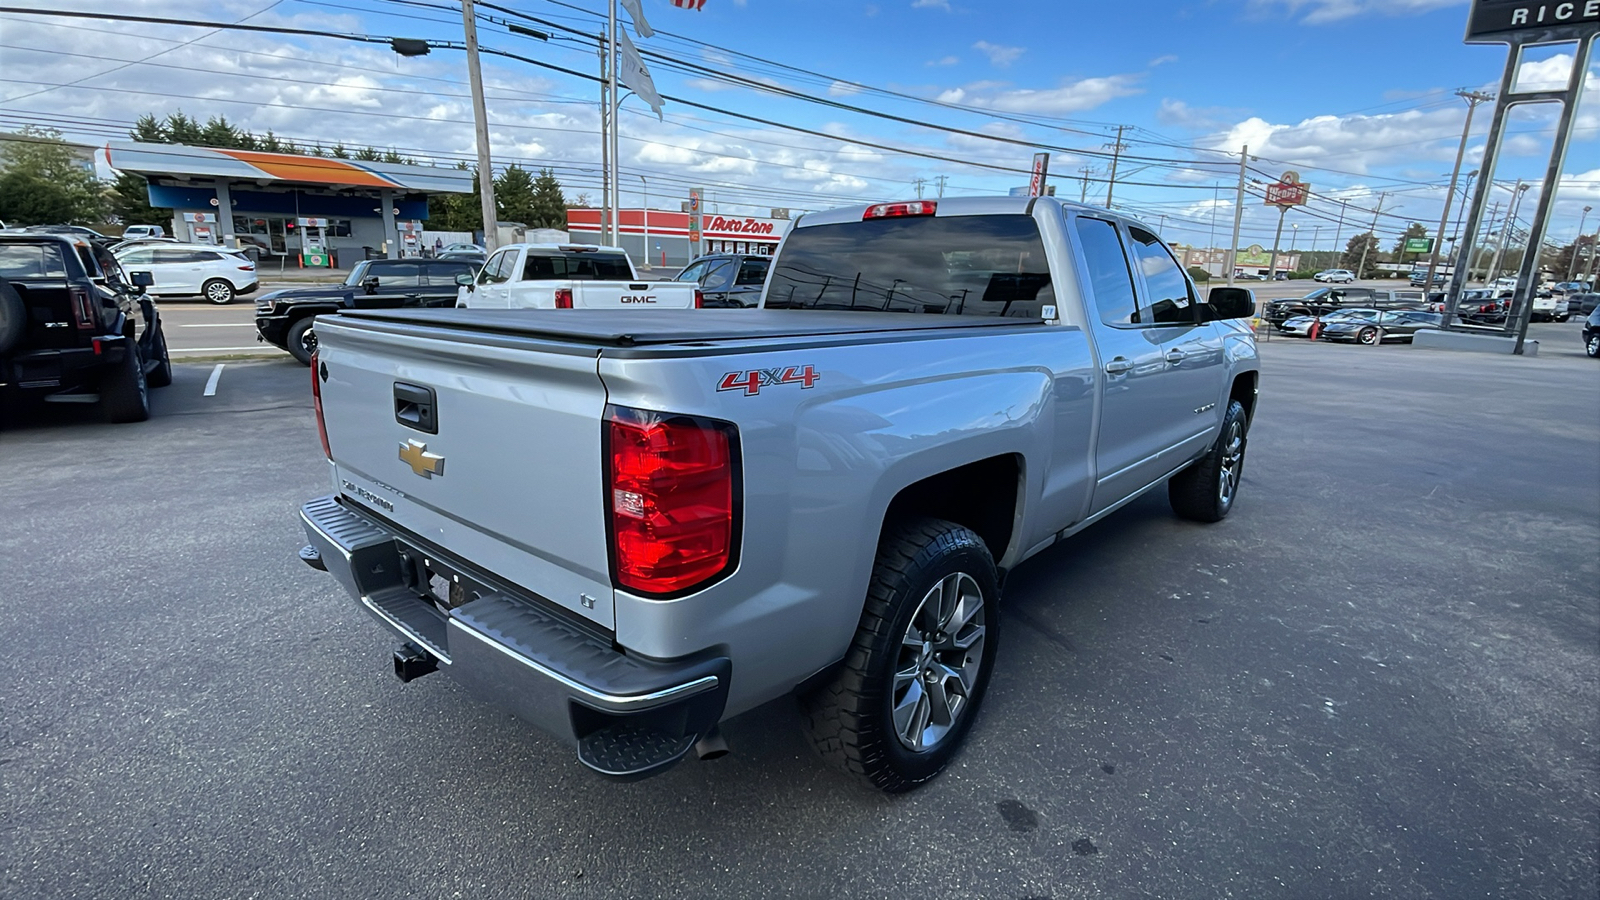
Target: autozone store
column 659, row 237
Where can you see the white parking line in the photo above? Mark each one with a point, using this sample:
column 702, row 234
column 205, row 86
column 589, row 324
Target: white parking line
column 211, row 384
column 257, row 348
column 220, row 325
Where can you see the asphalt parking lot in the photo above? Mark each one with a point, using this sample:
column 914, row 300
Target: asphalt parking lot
column 1378, row 678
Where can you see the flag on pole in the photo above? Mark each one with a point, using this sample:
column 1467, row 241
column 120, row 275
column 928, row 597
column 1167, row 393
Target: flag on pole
column 631, row 72
column 689, row 4
column 637, row 12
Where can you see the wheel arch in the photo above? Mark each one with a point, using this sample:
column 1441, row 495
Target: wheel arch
column 983, row 495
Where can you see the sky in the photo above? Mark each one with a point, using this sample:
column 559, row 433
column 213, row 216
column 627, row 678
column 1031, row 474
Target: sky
column 1357, row 96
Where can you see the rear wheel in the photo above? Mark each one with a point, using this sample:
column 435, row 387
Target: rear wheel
column 301, row 340
column 124, row 392
column 916, row 671
column 217, row 291
column 1205, row 491
column 161, row 375
column 1593, row 347
column 1367, row 336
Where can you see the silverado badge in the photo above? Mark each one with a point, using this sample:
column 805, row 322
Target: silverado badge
column 415, row 454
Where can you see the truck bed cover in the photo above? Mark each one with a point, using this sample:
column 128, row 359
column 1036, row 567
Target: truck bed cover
column 608, row 328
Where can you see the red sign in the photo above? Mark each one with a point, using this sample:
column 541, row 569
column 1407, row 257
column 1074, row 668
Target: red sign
column 1041, row 169
column 1288, row 191
column 737, row 226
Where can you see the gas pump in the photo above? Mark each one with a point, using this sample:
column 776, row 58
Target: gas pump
column 201, row 227
column 313, row 242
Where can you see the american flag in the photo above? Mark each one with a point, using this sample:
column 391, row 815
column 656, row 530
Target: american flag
column 689, row 4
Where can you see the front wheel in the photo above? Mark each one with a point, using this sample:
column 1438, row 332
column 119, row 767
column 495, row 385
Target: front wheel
column 217, row 291
column 1368, row 336
column 1205, row 491
column 1593, row 347
column 301, row 340
column 916, row 671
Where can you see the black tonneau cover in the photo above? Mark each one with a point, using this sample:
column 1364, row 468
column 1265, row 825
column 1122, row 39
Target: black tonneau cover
column 624, row 328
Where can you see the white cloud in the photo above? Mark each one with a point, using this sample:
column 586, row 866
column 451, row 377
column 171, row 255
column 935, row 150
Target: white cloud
column 944, row 61
column 843, row 89
column 931, row 4
column 1319, row 12
column 1070, row 97
column 999, row 54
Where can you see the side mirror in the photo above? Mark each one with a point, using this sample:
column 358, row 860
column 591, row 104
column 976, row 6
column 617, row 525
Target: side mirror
column 1231, row 303
column 370, row 284
column 465, row 279
column 142, row 280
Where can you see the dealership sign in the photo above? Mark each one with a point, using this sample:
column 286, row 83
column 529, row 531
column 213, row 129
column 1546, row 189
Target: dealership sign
column 1497, row 21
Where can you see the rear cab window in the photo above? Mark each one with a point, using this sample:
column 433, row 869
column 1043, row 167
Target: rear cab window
column 25, row 261
column 576, row 266
column 753, row 271
column 990, row 265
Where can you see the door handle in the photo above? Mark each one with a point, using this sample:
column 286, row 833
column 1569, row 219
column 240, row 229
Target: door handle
column 1175, row 356
column 1118, row 366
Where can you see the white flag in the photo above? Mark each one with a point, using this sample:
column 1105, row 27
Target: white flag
column 631, row 71
column 637, row 12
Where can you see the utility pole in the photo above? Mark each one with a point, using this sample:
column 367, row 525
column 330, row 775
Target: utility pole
column 1238, row 214
column 1338, row 232
column 919, row 182
column 1494, row 213
column 616, row 126
column 1216, row 200
column 1594, row 258
column 1083, row 196
column 1277, row 238
column 1372, row 235
column 1473, row 98
column 1505, row 230
column 480, row 122
column 1577, row 245
column 940, row 181
column 605, row 145
column 1116, row 155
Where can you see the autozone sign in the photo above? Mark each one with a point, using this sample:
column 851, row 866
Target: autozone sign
column 720, row 225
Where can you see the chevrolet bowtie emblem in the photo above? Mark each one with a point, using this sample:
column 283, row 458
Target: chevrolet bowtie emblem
column 415, row 454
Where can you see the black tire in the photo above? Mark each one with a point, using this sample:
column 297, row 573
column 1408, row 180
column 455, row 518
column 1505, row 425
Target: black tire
column 1593, row 346
column 124, row 392
column 1562, row 318
column 852, row 720
column 218, row 291
column 1368, row 336
column 161, row 375
column 300, row 340
column 1198, row 492
column 13, row 316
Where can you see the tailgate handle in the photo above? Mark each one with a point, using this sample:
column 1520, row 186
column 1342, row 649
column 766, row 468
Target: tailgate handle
column 639, row 287
column 416, row 407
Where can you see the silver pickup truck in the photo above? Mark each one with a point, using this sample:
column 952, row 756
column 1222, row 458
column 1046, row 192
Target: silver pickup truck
column 630, row 531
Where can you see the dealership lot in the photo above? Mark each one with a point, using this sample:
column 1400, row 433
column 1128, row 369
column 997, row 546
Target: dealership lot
column 1378, row 677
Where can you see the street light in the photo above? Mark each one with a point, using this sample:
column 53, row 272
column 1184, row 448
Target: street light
column 1572, row 264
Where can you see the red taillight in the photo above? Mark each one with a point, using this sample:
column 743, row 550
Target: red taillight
column 247, row 268
column 699, row 299
column 563, row 298
column 83, row 310
column 671, row 498
column 316, row 401
column 892, row 210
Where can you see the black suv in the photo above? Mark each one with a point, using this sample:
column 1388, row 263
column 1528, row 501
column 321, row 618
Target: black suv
column 70, row 327
column 1325, row 300
column 283, row 318
column 728, row 280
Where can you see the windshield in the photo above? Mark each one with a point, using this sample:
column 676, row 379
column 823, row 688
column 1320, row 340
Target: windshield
column 962, row 265
column 357, row 272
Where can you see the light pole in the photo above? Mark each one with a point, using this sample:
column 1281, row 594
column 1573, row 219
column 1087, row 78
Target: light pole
column 1506, row 228
column 1572, row 264
column 645, row 247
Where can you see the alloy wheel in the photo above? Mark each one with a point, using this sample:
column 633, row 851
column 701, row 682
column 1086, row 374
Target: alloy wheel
column 1232, row 463
column 940, row 655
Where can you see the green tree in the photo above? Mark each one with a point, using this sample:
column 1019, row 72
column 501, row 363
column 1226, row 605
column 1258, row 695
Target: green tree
column 42, row 183
column 457, row 212
column 367, row 154
column 148, row 129
column 513, row 195
column 549, row 204
column 219, row 132
column 130, row 201
column 339, row 152
column 1352, row 254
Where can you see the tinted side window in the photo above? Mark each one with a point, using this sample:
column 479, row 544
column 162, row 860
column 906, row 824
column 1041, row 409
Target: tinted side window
column 1109, row 278
column 444, row 274
column 1170, row 300
column 753, row 271
column 172, row 256
column 491, row 269
column 692, row 273
column 718, row 277
column 400, row 274
column 139, row 257
column 31, row 261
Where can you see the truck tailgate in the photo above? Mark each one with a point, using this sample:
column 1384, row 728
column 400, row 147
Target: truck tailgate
column 508, row 478
column 633, row 295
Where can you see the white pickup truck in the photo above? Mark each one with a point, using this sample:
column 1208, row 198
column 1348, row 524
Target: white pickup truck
column 569, row 276
column 628, row 528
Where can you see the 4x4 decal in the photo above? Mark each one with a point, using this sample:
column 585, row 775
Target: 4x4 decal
column 752, row 381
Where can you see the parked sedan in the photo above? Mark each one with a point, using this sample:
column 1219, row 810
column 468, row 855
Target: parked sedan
column 1300, row 326
column 214, row 273
column 1399, row 326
